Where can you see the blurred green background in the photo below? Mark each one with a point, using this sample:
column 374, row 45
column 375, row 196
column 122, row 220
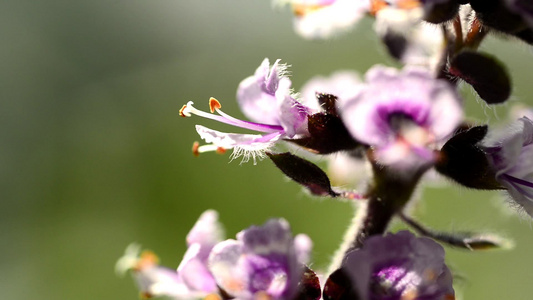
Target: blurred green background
column 94, row 155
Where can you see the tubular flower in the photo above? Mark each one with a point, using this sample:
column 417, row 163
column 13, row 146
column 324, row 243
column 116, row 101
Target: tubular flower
column 266, row 99
column 512, row 158
column 320, row 19
column 402, row 116
column 192, row 279
column 264, row 260
column 399, row 266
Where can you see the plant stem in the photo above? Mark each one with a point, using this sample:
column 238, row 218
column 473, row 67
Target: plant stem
column 388, row 195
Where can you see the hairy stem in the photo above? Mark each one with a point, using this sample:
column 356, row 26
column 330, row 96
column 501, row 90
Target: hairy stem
column 388, row 195
column 360, row 211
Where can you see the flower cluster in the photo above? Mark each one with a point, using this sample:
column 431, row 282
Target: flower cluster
column 264, row 260
column 392, row 125
column 267, row 262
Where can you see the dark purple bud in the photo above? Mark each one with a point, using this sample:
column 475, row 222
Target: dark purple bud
column 464, row 162
column 328, row 102
column 309, row 286
column 303, row 172
column 327, row 134
column 497, row 15
column 436, row 13
column 486, row 74
column 339, row 287
column 396, row 44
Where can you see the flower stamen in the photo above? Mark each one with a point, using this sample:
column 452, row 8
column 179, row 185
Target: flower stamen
column 408, row 4
column 197, row 149
column 377, row 5
column 301, row 10
column 214, row 105
column 147, row 259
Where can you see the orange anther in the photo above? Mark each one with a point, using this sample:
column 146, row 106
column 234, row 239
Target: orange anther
column 408, row 4
column 221, row 150
column 262, row 295
column 449, row 297
column 214, row 104
column 181, row 111
column 147, row 259
column 301, row 10
column 409, row 295
column 377, row 5
column 212, row 297
column 195, row 147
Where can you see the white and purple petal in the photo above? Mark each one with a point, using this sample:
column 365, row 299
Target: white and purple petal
column 262, row 259
column 248, row 142
column 511, row 155
column 256, row 95
column 292, row 114
column 324, row 19
column 204, row 235
column 402, row 114
column 154, row 280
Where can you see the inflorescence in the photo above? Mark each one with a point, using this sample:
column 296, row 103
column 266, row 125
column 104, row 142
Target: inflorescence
column 392, row 125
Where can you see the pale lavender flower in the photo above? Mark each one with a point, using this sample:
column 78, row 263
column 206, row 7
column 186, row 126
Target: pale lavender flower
column 403, row 116
column 266, row 98
column 399, row 266
column 320, row 19
column 511, row 155
column 264, row 259
column 192, row 279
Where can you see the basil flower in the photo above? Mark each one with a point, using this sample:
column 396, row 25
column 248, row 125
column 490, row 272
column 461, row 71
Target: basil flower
column 403, row 116
column 399, row 266
column 264, row 260
column 321, row 19
column 265, row 98
column 511, row 155
column 192, row 279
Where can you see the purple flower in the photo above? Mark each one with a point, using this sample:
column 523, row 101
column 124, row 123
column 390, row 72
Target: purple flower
column 266, row 99
column 403, row 116
column 319, row 19
column 511, row 155
column 264, row 259
column 192, row 279
column 399, row 266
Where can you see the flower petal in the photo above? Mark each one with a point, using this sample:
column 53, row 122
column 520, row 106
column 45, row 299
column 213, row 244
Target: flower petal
column 256, row 94
column 248, row 142
column 326, row 20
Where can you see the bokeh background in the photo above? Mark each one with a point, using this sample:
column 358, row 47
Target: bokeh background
column 93, row 154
